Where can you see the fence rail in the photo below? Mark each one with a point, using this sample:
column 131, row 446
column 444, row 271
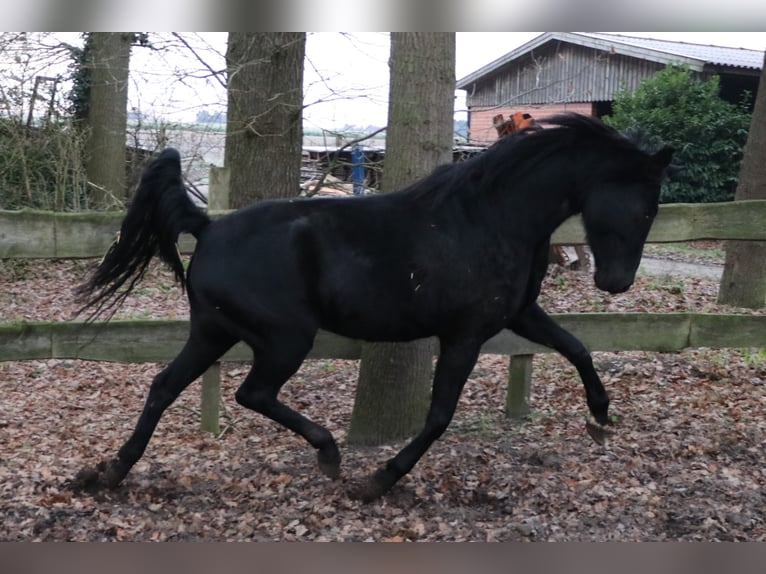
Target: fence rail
column 30, row 234
column 35, row 234
column 143, row 341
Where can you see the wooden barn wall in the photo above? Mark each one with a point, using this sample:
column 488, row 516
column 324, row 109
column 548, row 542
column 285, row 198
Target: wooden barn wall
column 482, row 129
column 560, row 77
column 560, row 73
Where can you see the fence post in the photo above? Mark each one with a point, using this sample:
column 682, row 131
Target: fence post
column 519, row 380
column 211, row 399
column 217, row 199
column 218, row 188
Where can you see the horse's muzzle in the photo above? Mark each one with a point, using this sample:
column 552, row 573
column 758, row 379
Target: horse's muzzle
column 613, row 283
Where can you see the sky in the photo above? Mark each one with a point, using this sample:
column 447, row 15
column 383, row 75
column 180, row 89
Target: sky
column 369, row 67
column 346, row 74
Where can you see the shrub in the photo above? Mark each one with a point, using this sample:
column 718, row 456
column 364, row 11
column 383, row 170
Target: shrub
column 41, row 166
column 676, row 108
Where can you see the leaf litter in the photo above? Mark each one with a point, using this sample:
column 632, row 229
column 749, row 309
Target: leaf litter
column 684, row 460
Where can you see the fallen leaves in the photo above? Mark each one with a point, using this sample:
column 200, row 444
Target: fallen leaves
column 685, row 461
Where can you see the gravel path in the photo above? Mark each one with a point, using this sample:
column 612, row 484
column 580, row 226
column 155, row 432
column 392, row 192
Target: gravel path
column 656, row 266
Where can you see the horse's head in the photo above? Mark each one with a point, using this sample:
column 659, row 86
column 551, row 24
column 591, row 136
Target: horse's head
column 617, row 214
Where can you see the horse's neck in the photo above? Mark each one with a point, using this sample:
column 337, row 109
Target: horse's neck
column 537, row 212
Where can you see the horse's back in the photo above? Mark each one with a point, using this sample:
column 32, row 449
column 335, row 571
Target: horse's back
column 319, row 260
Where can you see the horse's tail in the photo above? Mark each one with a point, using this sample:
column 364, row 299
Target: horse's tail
column 159, row 212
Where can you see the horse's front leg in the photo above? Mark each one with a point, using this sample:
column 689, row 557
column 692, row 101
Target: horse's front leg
column 456, row 360
column 534, row 324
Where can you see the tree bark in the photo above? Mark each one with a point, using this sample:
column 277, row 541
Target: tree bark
column 107, row 117
column 264, row 127
column 743, row 283
column 393, row 392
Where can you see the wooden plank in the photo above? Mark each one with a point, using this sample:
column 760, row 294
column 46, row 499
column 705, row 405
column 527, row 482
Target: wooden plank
column 161, row 340
column 20, row 341
column 689, row 221
column 726, row 220
column 508, row 343
column 732, row 331
column 332, row 346
column 662, row 332
column 40, row 234
column 84, row 234
column 26, row 234
column 31, row 234
column 571, row 232
column 120, row 341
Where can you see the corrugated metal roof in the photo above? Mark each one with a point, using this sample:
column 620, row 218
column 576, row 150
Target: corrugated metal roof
column 717, row 55
column 696, row 56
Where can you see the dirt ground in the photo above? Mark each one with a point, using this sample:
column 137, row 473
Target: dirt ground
column 685, row 461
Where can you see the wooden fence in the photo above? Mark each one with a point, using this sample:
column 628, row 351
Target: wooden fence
column 29, row 234
column 33, row 234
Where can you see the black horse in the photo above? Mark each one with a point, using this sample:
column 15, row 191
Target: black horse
column 459, row 255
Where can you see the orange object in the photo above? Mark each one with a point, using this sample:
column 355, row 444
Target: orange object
column 517, row 122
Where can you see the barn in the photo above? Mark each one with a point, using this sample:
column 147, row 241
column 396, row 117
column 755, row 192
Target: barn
column 581, row 72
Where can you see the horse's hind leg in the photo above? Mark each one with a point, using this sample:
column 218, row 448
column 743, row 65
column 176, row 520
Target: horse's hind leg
column 199, row 353
column 274, row 364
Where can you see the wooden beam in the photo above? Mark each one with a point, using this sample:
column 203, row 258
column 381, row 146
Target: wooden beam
column 129, row 341
column 690, row 221
column 42, row 234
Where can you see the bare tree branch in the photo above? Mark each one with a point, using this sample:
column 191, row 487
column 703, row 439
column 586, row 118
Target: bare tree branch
column 215, row 74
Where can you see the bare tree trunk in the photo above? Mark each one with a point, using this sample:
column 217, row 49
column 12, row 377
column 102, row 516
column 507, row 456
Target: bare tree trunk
column 264, row 127
column 107, row 116
column 393, row 393
column 744, row 276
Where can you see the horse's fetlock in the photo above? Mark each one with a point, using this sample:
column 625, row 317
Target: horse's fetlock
column 600, row 410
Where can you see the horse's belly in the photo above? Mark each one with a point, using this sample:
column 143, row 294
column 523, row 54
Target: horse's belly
column 370, row 324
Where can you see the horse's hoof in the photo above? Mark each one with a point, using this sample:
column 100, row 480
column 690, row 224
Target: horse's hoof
column 329, row 465
column 599, row 433
column 372, row 488
column 330, row 469
column 86, row 479
column 103, row 475
column 365, row 491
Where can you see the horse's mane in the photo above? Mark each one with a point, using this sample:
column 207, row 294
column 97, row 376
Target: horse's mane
column 588, row 126
column 514, row 155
